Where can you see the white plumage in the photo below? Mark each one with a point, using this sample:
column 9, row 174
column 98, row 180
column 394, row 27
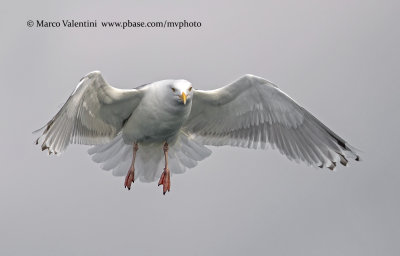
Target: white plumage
column 250, row 112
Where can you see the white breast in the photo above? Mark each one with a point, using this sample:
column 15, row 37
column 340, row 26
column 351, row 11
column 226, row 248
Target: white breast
column 160, row 115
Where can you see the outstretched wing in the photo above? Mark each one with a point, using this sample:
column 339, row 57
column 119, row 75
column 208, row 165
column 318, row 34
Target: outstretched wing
column 93, row 114
column 252, row 112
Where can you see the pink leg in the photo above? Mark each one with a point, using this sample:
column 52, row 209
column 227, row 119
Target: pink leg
column 165, row 179
column 130, row 176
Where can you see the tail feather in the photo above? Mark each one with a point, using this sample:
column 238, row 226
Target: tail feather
column 149, row 163
column 106, row 151
column 124, row 165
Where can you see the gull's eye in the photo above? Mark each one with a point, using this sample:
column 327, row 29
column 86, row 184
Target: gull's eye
column 173, row 89
column 190, row 89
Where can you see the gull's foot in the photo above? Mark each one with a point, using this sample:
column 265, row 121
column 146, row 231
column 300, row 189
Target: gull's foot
column 130, row 178
column 165, row 180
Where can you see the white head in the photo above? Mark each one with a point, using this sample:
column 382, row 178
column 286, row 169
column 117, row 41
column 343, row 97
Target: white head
column 182, row 91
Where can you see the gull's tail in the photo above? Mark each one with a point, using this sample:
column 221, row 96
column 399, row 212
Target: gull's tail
column 149, row 163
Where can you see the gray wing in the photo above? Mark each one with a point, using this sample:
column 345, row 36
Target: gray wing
column 93, row 114
column 252, row 112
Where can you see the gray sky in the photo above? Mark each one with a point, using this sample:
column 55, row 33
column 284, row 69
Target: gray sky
column 338, row 59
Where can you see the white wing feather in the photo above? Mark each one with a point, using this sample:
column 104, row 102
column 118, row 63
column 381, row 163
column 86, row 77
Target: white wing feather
column 252, row 112
column 93, row 114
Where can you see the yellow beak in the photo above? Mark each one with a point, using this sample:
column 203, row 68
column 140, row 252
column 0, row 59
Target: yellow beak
column 183, row 97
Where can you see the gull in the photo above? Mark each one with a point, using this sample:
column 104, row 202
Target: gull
column 134, row 131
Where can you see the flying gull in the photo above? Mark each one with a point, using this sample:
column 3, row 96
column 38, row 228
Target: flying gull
column 169, row 122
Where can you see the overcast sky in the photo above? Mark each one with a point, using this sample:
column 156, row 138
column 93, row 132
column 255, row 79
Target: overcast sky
column 338, row 59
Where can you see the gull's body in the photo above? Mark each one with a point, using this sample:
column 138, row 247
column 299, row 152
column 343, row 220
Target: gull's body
column 135, row 131
column 161, row 119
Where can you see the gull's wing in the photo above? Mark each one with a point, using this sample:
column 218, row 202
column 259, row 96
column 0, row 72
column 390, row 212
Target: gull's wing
column 93, row 114
column 252, row 112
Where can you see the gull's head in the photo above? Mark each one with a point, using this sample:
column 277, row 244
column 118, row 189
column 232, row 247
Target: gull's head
column 182, row 91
